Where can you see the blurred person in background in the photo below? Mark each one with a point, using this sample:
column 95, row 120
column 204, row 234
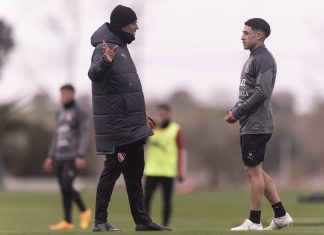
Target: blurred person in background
column 66, row 155
column 254, row 112
column 164, row 161
column 120, row 119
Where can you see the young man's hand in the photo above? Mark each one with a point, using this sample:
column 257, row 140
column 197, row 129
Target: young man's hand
column 79, row 163
column 48, row 164
column 230, row 117
column 150, row 121
column 109, row 54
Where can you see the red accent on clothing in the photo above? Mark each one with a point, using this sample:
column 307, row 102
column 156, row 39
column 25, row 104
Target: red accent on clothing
column 181, row 150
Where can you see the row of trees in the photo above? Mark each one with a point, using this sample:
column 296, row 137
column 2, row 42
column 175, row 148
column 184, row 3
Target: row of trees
column 294, row 153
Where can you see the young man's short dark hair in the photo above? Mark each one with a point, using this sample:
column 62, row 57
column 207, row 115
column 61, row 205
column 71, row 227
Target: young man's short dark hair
column 259, row 24
column 68, row 87
column 164, row 107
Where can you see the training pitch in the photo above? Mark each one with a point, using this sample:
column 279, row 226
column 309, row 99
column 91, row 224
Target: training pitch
column 196, row 213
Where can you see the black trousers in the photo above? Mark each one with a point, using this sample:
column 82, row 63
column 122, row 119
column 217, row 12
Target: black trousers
column 66, row 173
column 151, row 184
column 131, row 165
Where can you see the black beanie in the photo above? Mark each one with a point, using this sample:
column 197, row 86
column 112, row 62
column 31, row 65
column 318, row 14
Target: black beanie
column 122, row 16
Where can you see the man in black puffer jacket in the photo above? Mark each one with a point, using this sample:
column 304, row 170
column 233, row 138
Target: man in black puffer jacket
column 120, row 120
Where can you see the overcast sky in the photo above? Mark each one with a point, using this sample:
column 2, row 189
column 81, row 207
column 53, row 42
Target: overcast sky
column 181, row 44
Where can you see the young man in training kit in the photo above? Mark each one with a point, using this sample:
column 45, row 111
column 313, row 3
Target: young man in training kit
column 66, row 154
column 165, row 155
column 254, row 112
column 120, row 120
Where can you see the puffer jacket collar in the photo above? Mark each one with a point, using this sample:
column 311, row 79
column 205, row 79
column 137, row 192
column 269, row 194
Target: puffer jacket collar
column 103, row 33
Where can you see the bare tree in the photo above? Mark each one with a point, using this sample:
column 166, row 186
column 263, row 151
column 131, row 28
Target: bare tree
column 6, row 42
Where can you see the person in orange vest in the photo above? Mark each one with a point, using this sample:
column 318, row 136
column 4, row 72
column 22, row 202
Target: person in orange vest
column 165, row 156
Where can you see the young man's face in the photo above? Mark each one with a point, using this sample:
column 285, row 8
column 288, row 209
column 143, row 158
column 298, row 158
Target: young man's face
column 66, row 96
column 163, row 115
column 251, row 38
column 131, row 28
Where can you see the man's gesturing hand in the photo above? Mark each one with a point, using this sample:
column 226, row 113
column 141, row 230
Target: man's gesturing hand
column 230, row 117
column 109, row 54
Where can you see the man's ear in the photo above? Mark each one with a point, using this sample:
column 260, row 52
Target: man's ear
column 260, row 36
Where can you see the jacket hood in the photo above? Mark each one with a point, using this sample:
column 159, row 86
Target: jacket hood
column 103, row 33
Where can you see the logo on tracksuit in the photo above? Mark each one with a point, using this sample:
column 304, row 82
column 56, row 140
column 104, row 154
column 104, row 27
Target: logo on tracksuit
column 121, row 157
column 251, row 156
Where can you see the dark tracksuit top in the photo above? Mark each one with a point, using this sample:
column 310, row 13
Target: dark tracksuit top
column 71, row 135
column 256, row 86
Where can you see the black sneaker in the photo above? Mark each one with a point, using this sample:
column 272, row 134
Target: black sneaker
column 105, row 227
column 151, row 227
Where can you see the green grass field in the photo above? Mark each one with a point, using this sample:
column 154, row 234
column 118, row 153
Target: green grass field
column 196, row 213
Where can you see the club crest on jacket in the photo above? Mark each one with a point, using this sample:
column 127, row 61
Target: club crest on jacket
column 121, row 157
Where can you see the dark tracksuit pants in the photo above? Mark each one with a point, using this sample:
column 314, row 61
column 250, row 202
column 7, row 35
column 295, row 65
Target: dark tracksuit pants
column 66, row 173
column 132, row 168
column 151, row 183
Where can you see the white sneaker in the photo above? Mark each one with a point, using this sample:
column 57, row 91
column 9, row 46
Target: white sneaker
column 280, row 222
column 248, row 225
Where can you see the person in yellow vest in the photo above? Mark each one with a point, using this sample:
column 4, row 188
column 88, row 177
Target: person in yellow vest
column 165, row 156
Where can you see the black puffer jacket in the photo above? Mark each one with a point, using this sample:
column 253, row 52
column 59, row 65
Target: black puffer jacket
column 117, row 96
